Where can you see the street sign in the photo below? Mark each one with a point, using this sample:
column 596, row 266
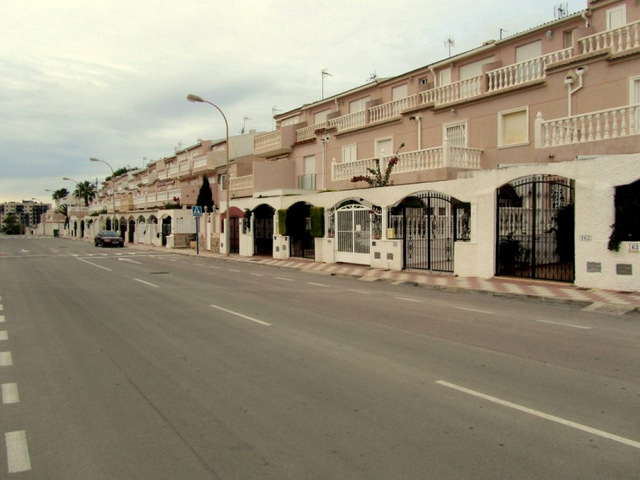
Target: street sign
column 196, row 211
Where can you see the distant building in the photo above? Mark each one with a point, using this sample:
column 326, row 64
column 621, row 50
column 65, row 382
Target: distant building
column 27, row 211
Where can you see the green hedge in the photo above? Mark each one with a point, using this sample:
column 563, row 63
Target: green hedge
column 317, row 221
column 282, row 221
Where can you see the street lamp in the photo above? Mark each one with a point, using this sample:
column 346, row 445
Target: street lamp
column 113, row 198
column 196, row 98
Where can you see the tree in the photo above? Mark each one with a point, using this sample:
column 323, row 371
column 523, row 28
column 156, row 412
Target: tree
column 12, row 225
column 379, row 178
column 64, row 210
column 85, row 190
column 60, row 194
column 205, row 195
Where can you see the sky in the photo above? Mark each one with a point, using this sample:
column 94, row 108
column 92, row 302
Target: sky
column 109, row 79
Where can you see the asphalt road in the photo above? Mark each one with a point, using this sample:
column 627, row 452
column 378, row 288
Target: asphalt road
column 133, row 364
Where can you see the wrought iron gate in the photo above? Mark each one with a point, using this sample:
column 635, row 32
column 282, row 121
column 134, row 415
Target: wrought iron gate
column 535, row 237
column 353, row 231
column 429, row 225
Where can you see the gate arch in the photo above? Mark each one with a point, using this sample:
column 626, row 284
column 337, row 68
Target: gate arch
column 429, row 224
column 536, row 225
column 352, row 225
column 263, row 229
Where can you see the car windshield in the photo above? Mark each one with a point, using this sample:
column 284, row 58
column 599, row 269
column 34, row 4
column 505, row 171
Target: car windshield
column 109, row 234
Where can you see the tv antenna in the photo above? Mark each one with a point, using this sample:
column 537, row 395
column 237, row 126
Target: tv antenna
column 560, row 10
column 274, row 111
column 449, row 42
column 372, row 77
column 324, row 74
column 244, row 124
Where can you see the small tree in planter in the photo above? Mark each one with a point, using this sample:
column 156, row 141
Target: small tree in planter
column 379, row 178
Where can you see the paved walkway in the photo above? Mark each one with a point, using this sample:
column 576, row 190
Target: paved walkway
column 605, row 301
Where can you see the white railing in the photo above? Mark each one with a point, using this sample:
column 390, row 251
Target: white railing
column 268, row 140
column 347, row 122
column 173, row 171
column 616, row 40
column 410, row 162
column 242, row 183
column 200, row 162
column 308, row 133
column 523, row 72
column 454, row 92
column 392, row 109
column 589, row 127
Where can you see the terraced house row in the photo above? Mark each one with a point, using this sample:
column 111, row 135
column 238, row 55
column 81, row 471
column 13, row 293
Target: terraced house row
column 519, row 158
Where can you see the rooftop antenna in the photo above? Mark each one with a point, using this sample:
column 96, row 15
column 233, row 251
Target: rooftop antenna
column 560, row 10
column 324, row 74
column 372, row 77
column 502, row 30
column 449, row 42
column 274, row 111
column 244, row 124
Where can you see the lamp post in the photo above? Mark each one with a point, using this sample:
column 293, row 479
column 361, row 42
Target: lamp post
column 197, row 99
column 113, row 198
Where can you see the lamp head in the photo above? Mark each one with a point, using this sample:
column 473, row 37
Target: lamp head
column 194, row 98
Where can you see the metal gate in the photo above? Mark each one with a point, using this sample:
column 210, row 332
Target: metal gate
column 234, row 235
column 536, row 224
column 430, row 224
column 353, row 231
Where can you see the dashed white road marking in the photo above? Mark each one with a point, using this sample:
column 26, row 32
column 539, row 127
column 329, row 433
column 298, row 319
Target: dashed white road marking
column 234, row 270
column 257, row 274
column 546, row 416
column 146, row 283
column 2, row 319
column 241, row 315
column 408, row 299
column 361, row 292
column 318, row 284
column 6, row 360
column 475, row 310
column 564, row 324
column 10, row 393
column 4, row 335
column 17, row 452
column 285, row 279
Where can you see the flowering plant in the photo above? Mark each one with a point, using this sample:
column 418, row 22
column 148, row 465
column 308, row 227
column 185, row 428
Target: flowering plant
column 379, row 179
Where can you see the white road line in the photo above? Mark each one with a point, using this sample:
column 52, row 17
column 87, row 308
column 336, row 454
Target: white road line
column 94, row 264
column 4, row 335
column 361, row 292
column 242, row 316
column 1, row 307
column 546, row 416
column 285, row 279
column 17, row 452
column 2, row 319
column 10, row 393
column 318, row 284
column 216, row 268
column 475, row 310
column 408, row 299
column 564, row 324
column 146, row 283
column 129, row 260
column 6, row 360
column 234, row 270
column 257, row 274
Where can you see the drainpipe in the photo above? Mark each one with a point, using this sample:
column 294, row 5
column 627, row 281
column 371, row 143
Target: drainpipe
column 569, row 81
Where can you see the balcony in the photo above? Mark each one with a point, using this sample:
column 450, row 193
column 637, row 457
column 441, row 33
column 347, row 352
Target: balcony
column 445, row 156
column 616, row 41
column 273, row 144
column 242, row 183
column 590, row 127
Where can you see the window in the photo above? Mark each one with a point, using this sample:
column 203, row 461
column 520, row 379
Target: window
column 444, row 77
column 349, row 153
column 567, row 39
column 513, row 127
column 616, row 17
column 384, row 147
column 222, row 181
column 290, row 121
column 456, row 134
column 399, row 92
column 321, row 117
column 358, row 105
column 474, row 69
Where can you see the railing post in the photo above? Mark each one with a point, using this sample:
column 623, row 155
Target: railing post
column 445, row 153
column 538, row 130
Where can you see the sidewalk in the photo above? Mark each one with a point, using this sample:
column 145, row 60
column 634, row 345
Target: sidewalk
column 604, row 301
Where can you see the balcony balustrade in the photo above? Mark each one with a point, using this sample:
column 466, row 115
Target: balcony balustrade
column 411, row 162
column 242, row 183
column 590, row 127
column 616, row 40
